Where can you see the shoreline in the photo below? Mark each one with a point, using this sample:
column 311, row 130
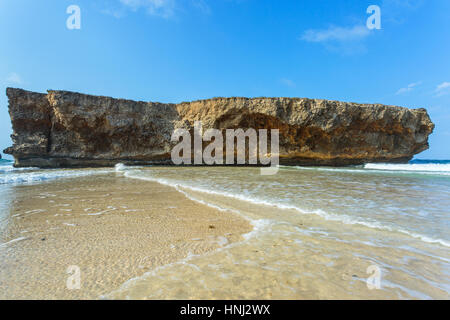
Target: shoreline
column 163, row 233
column 91, row 163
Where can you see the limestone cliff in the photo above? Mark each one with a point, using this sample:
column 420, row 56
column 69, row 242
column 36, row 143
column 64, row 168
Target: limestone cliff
column 65, row 129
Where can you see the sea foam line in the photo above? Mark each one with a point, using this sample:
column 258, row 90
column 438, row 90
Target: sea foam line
column 345, row 219
column 370, row 168
column 421, row 167
column 24, row 177
column 259, row 225
column 12, row 241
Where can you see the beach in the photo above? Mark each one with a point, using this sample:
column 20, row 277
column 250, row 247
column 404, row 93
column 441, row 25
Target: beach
column 111, row 227
column 227, row 233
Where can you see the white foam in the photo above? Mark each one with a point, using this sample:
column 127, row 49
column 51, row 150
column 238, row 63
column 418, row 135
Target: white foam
column 420, row 167
column 10, row 168
column 258, row 225
column 120, row 167
column 12, row 241
column 33, row 177
column 428, row 168
column 331, row 169
column 35, row 211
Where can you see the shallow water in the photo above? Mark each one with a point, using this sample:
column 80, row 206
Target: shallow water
column 318, row 230
column 107, row 226
column 319, row 233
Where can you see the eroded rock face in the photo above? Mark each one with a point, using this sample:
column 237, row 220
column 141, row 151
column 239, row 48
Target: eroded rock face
column 64, row 128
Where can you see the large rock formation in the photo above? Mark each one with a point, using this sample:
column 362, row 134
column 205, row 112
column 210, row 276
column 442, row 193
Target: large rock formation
column 65, row 129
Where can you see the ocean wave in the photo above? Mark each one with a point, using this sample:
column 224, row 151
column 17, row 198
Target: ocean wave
column 120, row 167
column 258, row 225
column 331, row 169
column 9, row 168
column 25, row 177
column 342, row 218
column 385, row 168
column 422, row 167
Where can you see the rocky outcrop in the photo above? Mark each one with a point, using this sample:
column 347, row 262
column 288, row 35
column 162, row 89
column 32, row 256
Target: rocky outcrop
column 67, row 129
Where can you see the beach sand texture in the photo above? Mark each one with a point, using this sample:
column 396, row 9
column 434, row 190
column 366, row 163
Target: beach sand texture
column 111, row 227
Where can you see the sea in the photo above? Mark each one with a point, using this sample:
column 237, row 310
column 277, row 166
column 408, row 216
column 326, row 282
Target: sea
column 369, row 231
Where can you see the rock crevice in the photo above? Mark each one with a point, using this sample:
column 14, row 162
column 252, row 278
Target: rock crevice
column 68, row 129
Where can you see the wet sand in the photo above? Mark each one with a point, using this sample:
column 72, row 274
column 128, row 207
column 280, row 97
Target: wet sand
column 151, row 233
column 110, row 227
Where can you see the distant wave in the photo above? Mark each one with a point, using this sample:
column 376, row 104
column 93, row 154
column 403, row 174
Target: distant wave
column 16, row 176
column 120, row 167
column 6, row 168
column 421, row 167
column 440, row 168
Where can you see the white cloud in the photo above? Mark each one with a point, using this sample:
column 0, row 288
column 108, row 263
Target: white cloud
column 442, row 89
column 288, row 82
column 116, row 13
column 409, row 88
column 336, row 34
column 341, row 40
column 202, row 6
column 14, row 78
column 398, row 11
column 162, row 8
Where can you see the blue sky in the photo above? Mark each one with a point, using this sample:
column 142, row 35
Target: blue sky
column 181, row 50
